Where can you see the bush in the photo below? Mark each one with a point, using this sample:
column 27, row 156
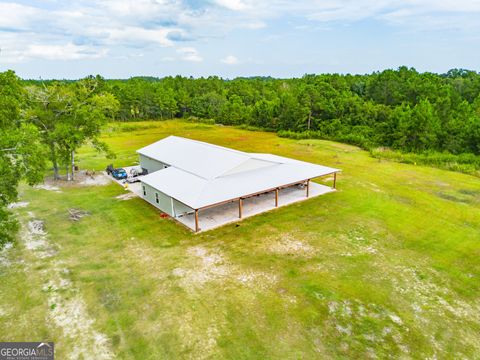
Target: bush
column 465, row 163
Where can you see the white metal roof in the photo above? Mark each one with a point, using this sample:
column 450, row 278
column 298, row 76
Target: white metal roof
column 202, row 174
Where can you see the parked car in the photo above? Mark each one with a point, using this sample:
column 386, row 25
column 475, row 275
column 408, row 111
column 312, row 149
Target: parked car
column 133, row 179
column 119, row 174
column 135, row 174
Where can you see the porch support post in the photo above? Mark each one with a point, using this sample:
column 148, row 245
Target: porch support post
column 276, row 197
column 334, row 180
column 240, row 206
column 308, row 187
column 196, row 221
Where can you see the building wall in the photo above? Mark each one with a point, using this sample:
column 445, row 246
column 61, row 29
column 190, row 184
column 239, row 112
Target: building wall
column 180, row 209
column 165, row 203
column 150, row 164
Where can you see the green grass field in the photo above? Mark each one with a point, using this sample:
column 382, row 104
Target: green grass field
column 387, row 267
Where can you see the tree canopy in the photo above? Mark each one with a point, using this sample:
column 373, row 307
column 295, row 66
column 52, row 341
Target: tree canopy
column 69, row 115
column 21, row 156
column 402, row 109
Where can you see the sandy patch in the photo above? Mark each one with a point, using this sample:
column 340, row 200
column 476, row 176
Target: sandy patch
column 351, row 318
column 433, row 297
column 146, row 257
column 95, row 180
column 4, row 255
column 72, row 316
column 67, row 308
column 35, row 239
column 201, row 343
column 289, row 245
column 126, row 196
column 211, row 266
column 18, row 205
column 356, row 243
column 36, row 227
column 48, row 187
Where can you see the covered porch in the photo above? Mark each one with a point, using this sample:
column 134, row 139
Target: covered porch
column 217, row 215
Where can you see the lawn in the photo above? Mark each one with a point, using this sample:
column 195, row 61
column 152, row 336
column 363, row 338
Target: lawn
column 386, row 267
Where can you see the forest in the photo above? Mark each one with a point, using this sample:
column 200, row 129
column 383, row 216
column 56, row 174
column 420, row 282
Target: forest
column 401, row 109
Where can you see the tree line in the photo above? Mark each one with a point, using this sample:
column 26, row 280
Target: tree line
column 402, row 109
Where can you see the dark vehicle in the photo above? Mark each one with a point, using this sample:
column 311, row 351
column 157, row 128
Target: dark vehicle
column 109, row 169
column 119, row 174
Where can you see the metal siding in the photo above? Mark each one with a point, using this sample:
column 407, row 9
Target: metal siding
column 180, row 208
column 150, row 164
column 165, row 202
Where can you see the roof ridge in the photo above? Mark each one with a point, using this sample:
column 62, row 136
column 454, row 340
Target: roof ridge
column 213, row 145
column 243, row 162
column 184, row 170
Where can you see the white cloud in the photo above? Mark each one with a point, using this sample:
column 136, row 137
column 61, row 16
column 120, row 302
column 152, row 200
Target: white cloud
column 62, row 52
column 17, row 16
column 190, row 54
column 229, row 60
column 256, row 25
column 232, row 4
column 137, row 35
column 69, row 51
column 88, row 28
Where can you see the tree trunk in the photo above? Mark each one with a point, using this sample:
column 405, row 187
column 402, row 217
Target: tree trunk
column 309, row 120
column 54, row 162
column 73, row 164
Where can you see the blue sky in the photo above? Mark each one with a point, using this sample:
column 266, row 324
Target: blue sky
column 229, row 38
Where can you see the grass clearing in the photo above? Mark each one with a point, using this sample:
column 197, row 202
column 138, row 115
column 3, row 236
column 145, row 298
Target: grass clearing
column 385, row 267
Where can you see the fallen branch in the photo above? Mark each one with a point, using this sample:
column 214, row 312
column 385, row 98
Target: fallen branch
column 77, row 214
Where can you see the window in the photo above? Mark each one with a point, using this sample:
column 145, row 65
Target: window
column 144, row 191
column 156, row 198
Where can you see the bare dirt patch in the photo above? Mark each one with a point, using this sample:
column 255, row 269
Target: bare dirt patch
column 18, row 205
column 67, row 308
column 351, row 318
column 99, row 179
column 34, row 238
column 126, row 196
column 48, row 187
column 81, row 178
column 202, row 343
column 289, row 245
column 358, row 243
column 4, row 255
column 431, row 296
column 77, row 214
column 211, row 266
column 71, row 315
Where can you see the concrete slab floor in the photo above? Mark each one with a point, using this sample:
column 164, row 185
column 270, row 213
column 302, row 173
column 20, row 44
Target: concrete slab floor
column 217, row 216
